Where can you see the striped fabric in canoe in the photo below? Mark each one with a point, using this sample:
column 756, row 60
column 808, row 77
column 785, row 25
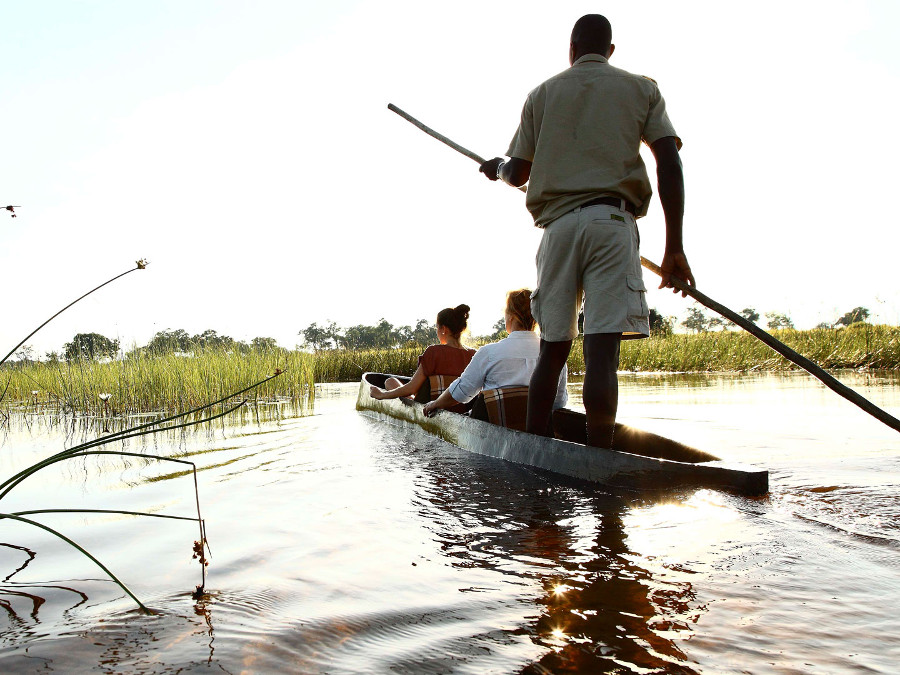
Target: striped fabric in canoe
column 507, row 407
column 439, row 384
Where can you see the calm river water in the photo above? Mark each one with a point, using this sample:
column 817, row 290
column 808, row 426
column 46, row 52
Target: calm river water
column 345, row 545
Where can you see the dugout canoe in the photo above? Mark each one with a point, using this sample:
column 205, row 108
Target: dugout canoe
column 638, row 460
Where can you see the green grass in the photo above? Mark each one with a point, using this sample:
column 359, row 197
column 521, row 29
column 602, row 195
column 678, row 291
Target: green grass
column 859, row 346
column 341, row 365
column 144, row 383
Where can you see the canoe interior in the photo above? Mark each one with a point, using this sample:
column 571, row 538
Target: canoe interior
column 569, row 425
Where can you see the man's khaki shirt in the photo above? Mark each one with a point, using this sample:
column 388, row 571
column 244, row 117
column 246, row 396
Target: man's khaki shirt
column 582, row 130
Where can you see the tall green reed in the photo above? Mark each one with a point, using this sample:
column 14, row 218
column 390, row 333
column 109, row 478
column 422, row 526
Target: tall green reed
column 83, row 387
column 147, row 383
column 858, row 346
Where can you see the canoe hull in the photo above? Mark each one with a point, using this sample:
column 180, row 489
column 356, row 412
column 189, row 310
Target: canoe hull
column 610, row 467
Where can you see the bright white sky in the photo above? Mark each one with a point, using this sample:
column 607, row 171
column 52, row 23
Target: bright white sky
column 246, row 150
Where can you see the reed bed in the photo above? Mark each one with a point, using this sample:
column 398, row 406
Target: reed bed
column 342, row 365
column 859, row 346
column 171, row 382
column 143, row 383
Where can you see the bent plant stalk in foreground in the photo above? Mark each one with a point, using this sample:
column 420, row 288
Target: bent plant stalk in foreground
column 140, row 264
column 200, row 546
column 85, row 449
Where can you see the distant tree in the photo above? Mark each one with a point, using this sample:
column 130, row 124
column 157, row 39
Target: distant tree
column 659, row 324
column 25, row 353
column 823, row 325
column 52, row 357
column 357, row 337
column 210, row 339
column 499, row 330
column 750, row 314
column 381, row 335
column 264, row 344
column 404, row 334
column 90, row 346
column 316, row 337
column 424, row 333
column 696, row 320
column 168, row 341
column 776, row 320
column 717, row 322
column 853, row 316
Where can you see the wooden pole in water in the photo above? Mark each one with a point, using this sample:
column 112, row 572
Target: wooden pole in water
column 809, row 366
column 812, row 368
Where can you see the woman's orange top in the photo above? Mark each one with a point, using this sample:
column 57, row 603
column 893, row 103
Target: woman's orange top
column 445, row 360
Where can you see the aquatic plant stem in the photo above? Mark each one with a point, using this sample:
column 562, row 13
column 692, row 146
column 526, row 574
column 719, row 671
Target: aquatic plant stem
column 17, row 515
column 9, row 483
column 83, row 450
column 141, row 264
column 84, row 551
column 110, row 511
column 121, row 434
column 807, row 365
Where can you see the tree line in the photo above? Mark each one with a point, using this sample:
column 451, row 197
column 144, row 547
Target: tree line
column 95, row 347
column 383, row 335
column 698, row 321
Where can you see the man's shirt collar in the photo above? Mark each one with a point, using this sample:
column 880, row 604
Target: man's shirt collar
column 590, row 57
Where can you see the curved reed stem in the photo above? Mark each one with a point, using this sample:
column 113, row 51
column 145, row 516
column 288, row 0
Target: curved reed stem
column 84, row 449
column 84, row 551
column 141, row 264
column 11, row 482
column 114, row 511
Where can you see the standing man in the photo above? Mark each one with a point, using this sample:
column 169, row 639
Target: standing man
column 577, row 147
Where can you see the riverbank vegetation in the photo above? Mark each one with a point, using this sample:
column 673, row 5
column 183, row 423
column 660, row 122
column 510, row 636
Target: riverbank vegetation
column 858, row 346
column 182, row 419
column 176, row 371
column 144, row 382
column 149, row 380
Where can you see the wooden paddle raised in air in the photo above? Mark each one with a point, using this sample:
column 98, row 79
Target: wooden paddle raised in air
column 752, row 328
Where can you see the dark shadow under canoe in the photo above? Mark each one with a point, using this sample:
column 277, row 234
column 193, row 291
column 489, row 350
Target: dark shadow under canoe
column 639, row 459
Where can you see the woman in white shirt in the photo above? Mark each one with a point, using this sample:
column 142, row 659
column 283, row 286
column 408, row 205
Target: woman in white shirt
column 507, row 363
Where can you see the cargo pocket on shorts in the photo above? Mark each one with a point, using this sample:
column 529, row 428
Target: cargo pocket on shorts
column 637, row 296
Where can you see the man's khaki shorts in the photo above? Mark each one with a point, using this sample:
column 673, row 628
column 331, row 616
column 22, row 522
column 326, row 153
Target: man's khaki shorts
column 591, row 254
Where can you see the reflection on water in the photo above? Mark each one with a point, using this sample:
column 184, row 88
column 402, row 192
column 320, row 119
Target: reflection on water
column 344, row 545
column 596, row 608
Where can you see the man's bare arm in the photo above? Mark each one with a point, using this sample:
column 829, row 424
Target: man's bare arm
column 670, row 185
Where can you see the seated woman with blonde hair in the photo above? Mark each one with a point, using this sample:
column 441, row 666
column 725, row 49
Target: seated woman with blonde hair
column 506, row 363
column 448, row 358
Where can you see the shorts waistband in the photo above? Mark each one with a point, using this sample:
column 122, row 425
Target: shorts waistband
column 621, row 204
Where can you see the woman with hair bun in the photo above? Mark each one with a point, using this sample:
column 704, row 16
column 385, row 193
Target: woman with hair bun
column 448, row 358
column 506, row 363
